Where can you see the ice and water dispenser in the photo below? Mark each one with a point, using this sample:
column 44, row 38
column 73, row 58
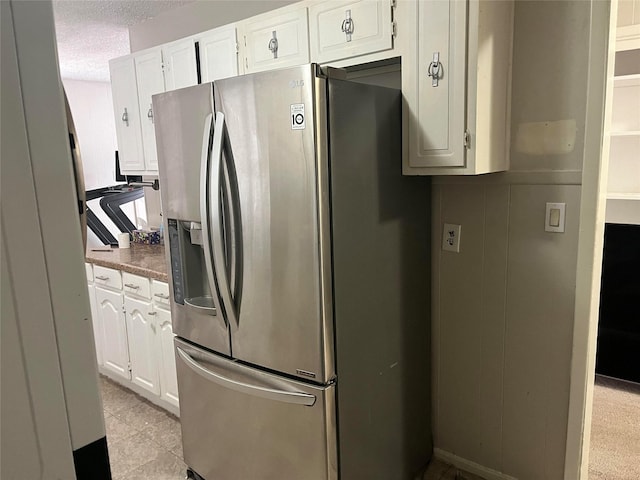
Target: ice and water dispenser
column 191, row 287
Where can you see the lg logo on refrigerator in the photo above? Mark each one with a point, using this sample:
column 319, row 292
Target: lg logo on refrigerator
column 297, row 116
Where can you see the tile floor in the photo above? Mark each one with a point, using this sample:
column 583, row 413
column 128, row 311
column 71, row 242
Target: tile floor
column 145, row 441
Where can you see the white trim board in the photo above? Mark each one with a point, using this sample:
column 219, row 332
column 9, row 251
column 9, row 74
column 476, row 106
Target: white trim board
column 469, row 466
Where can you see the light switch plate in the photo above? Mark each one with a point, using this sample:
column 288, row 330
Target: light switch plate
column 451, row 237
column 554, row 217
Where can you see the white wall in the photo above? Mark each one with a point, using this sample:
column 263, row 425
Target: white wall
column 504, row 307
column 196, row 17
column 92, row 109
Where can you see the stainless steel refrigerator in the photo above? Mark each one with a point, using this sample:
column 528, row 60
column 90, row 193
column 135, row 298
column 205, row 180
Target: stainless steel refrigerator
column 299, row 264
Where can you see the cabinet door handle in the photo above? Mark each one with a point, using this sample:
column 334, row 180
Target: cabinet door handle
column 132, row 285
column 150, row 113
column 435, row 69
column 161, row 295
column 125, row 117
column 273, row 44
column 102, row 277
column 152, row 313
column 347, row 25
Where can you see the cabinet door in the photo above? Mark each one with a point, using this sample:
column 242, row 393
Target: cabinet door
column 115, row 351
column 150, row 81
column 168, row 378
column 180, row 67
column 437, row 129
column 126, row 110
column 276, row 41
column 218, row 54
column 141, row 331
column 348, row 28
column 96, row 323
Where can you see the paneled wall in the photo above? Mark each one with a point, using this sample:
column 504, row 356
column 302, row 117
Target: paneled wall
column 503, row 308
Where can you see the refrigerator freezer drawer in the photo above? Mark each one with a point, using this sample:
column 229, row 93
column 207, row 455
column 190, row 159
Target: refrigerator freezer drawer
column 242, row 423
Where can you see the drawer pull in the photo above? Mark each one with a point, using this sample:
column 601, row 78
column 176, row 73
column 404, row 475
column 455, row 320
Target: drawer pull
column 152, row 313
column 161, row 295
column 104, row 278
column 132, row 285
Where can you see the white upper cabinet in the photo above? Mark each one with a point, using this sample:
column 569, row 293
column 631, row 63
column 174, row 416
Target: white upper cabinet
column 218, row 50
column 348, row 28
column 456, row 81
column 180, row 66
column 438, row 135
column 275, row 40
column 134, row 80
column 125, row 106
column 150, row 80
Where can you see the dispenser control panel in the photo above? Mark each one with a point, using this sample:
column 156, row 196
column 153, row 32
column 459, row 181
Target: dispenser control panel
column 176, row 261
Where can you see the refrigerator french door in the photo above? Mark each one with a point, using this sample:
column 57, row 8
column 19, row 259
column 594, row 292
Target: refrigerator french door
column 244, row 206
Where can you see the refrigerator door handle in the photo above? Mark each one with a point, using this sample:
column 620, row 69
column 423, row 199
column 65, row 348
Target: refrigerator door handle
column 298, row 398
column 205, row 188
column 216, row 174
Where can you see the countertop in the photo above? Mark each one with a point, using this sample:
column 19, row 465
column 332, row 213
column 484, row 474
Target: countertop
column 144, row 260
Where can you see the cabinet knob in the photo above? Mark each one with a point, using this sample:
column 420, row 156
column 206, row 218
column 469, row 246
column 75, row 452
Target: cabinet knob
column 273, row 44
column 347, row 25
column 435, row 69
column 125, row 117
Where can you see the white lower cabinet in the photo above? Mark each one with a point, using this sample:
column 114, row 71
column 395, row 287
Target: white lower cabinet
column 168, row 377
column 133, row 334
column 143, row 352
column 115, row 351
column 96, row 322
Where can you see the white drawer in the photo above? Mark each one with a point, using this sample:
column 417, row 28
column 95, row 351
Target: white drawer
column 160, row 292
column 89, row 269
column 107, row 277
column 135, row 285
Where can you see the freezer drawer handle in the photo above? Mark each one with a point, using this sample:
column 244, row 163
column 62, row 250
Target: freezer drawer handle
column 298, row 398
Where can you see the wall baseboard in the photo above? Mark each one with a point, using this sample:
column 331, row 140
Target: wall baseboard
column 469, row 466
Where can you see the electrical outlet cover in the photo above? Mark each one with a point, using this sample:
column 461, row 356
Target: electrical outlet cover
column 451, row 237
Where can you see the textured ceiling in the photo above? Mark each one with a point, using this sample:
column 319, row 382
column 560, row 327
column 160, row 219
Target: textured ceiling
column 92, row 32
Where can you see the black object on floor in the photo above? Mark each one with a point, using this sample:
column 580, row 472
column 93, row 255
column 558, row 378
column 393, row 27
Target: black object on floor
column 92, row 461
column 618, row 352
